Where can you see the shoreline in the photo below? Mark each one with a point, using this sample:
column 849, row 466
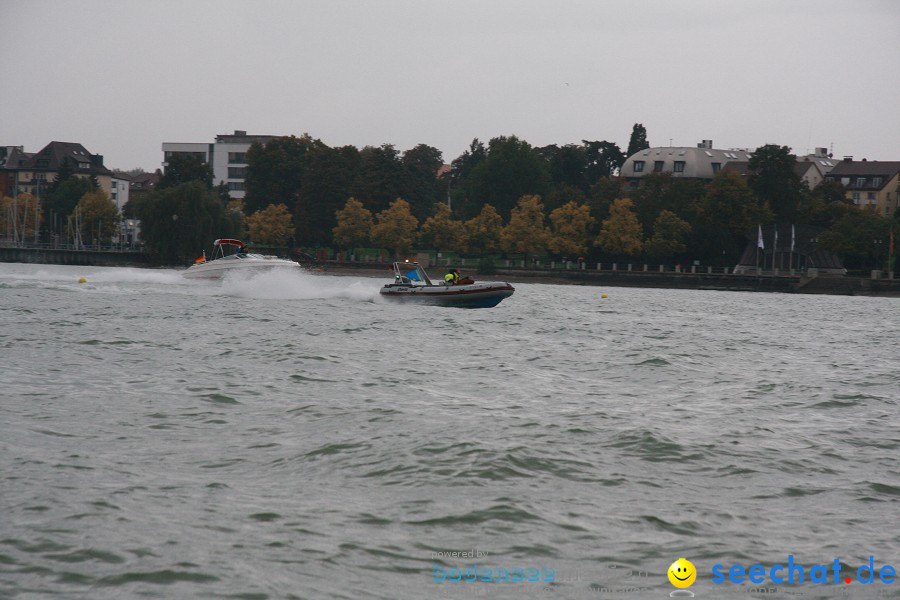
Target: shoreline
column 824, row 284
column 788, row 284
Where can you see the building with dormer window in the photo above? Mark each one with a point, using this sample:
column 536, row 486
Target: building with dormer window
column 871, row 184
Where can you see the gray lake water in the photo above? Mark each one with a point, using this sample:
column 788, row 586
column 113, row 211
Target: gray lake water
column 293, row 436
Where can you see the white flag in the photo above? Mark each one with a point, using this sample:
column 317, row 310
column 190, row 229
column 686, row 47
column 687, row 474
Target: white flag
column 759, row 240
column 792, row 238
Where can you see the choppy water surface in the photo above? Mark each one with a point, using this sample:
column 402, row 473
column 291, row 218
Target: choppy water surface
column 296, row 437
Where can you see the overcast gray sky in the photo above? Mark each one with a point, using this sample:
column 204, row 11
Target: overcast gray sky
column 124, row 76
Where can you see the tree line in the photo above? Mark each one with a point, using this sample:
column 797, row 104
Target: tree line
column 503, row 196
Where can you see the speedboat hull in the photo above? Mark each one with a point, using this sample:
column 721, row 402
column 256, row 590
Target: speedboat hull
column 476, row 295
column 217, row 269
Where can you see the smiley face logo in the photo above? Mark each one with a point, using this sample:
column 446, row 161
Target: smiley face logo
column 682, row 573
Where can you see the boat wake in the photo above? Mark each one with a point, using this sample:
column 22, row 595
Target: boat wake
column 280, row 284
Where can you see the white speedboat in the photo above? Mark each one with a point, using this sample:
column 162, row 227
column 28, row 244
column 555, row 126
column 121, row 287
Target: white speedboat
column 412, row 284
column 241, row 261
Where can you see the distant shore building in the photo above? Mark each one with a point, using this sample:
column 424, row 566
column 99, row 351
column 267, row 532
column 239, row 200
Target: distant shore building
column 33, row 173
column 870, row 183
column 704, row 161
column 227, row 157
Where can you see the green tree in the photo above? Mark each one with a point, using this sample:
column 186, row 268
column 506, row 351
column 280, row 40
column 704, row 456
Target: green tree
column 669, row 232
column 604, row 159
column 328, row 177
column 275, row 171
column 861, row 238
column 396, row 228
column 484, row 230
column 354, row 225
column 774, row 180
column 271, row 226
column 420, row 183
column 621, row 232
column 662, row 191
column 724, row 213
column 441, row 232
column 570, row 229
column 638, row 140
column 95, row 219
column 730, row 205
column 825, row 205
column 182, row 167
column 460, row 183
column 511, row 170
column 526, row 232
column 379, row 179
column 566, row 165
column 178, row 223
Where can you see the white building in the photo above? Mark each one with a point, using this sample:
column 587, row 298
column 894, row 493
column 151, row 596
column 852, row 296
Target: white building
column 118, row 189
column 228, row 157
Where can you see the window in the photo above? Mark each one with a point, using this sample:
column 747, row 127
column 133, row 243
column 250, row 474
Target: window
column 84, row 165
column 860, row 182
column 876, row 182
column 237, row 158
column 855, row 197
column 658, row 166
column 43, row 162
column 236, row 172
column 679, row 166
column 638, row 166
column 871, row 197
column 235, row 186
column 716, row 167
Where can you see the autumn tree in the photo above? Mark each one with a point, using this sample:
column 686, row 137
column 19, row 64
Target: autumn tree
column 669, row 232
column 271, row 226
column 396, row 228
column 526, row 232
column 18, row 217
column 441, row 232
column 621, row 232
column 354, row 225
column 95, row 219
column 64, row 196
column 570, row 229
column 483, row 231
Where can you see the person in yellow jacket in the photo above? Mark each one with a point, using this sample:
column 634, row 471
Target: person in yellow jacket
column 452, row 277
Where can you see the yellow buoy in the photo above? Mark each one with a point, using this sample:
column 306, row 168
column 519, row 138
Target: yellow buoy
column 603, row 295
column 82, row 280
